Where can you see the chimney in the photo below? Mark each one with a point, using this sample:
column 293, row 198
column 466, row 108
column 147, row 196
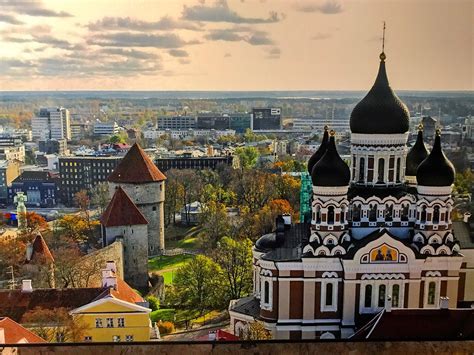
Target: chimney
column 466, row 217
column 111, row 266
column 109, row 279
column 280, row 229
column 2, row 336
column 444, row 302
column 287, row 219
column 26, row 286
column 388, row 304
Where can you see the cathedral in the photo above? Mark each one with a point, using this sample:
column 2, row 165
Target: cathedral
column 379, row 237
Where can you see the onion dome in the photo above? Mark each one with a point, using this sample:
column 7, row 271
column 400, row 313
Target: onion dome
column 331, row 170
column 417, row 154
column 320, row 151
column 380, row 111
column 436, row 170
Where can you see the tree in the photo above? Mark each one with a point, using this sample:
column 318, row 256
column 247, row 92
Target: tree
column 56, row 325
column 75, row 227
column 197, row 284
column 100, row 196
column 248, row 156
column 34, row 223
column 118, row 138
column 190, row 186
column 235, row 260
column 174, row 196
column 214, row 222
column 254, row 188
column 153, row 302
column 257, row 331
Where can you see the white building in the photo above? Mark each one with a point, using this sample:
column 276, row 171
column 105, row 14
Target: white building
column 52, row 123
column 106, row 128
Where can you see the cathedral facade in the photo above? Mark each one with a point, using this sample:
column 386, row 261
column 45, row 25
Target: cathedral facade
column 380, row 235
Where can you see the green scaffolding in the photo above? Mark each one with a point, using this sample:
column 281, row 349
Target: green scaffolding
column 305, row 197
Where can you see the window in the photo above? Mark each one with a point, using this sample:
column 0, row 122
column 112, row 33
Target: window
column 373, row 213
column 361, row 169
column 98, row 322
column 423, row 214
column 436, row 214
column 370, row 169
column 404, row 216
column 395, row 295
column 398, row 169
column 431, row 293
column 356, row 213
column 381, row 171
column 116, row 338
column 329, row 292
column 267, row 292
column 343, row 215
column 368, row 296
column 121, row 322
column 381, row 302
column 388, row 212
column 391, row 168
column 110, row 322
column 129, row 338
column 331, row 215
column 318, row 214
column 88, row 338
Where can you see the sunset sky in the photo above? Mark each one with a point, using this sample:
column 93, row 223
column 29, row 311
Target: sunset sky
column 234, row 44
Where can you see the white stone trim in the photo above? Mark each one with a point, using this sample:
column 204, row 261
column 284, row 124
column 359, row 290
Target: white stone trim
column 330, row 190
column 335, row 291
column 434, row 190
column 379, row 139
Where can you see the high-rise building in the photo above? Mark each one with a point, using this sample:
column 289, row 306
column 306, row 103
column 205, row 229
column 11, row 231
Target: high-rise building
column 266, row 118
column 52, row 123
column 105, row 128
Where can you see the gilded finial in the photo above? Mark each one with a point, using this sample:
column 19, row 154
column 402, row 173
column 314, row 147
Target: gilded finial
column 420, row 127
column 382, row 55
column 332, row 133
column 438, row 131
column 326, row 127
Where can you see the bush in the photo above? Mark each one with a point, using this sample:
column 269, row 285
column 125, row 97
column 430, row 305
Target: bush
column 166, row 314
column 153, row 302
column 165, row 327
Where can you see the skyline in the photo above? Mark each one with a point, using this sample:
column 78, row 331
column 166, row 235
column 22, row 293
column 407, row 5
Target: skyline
column 235, row 45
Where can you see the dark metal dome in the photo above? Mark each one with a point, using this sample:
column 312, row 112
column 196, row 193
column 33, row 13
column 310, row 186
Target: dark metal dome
column 320, row 151
column 436, row 170
column 416, row 155
column 380, row 111
column 331, row 170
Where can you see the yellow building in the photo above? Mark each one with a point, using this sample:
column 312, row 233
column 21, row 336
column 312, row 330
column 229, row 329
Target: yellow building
column 111, row 319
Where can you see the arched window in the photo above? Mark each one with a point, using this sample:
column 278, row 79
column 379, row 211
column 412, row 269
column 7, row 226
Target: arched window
column 381, row 170
column 446, row 216
column 404, row 216
column 381, row 302
column 368, row 296
column 343, row 214
column 329, row 291
column 266, row 290
column 399, row 162
column 356, row 213
column 395, row 295
column 361, row 169
column 436, row 214
column 388, row 212
column 431, row 292
column 373, row 213
column 423, row 214
column 331, row 215
column 318, row 214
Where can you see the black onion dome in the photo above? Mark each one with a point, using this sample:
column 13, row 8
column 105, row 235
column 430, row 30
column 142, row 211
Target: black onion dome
column 380, row 111
column 331, row 170
column 266, row 242
column 319, row 152
column 436, row 170
column 416, row 155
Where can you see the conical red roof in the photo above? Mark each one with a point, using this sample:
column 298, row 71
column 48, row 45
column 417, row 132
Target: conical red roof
column 40, row 251
column 121, row 211
column 136, row 167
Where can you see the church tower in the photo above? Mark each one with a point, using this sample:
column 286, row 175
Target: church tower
column 139, row 177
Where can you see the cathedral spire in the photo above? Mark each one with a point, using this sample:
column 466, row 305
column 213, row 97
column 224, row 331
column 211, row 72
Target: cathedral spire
column 382, row 55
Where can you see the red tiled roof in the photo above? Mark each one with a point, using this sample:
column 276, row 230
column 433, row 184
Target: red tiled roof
column 40, row 251
column 15, row 333
column 123, row 292
column 136, row 167
column 121, row 211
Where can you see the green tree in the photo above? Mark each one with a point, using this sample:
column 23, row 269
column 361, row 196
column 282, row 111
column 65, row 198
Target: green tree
column 214, row 222
column 197, row 284
column 235, row 259
column 100, row 196
column 153, row 302
column 248, row 156
column 118, row 138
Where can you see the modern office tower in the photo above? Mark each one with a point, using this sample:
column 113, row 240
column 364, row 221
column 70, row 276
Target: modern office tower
column 105, row 128
column 52, row 123
column 266, row 118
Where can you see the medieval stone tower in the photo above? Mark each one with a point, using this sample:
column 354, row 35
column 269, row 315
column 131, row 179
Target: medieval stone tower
column 144, row 183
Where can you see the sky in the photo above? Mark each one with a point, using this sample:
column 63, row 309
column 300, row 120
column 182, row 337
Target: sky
column 235, row 44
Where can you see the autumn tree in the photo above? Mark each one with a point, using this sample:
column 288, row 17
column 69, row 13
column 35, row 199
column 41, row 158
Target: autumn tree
column 248, row 156
column 75, row 227
column 174, row 197
column 100, row 196
column 254, row 188
column 257, row 331
column 235, row 260
column 214, row 223
column 197, row 284
column 34, row 223
column 190, row 187
column 56, row 325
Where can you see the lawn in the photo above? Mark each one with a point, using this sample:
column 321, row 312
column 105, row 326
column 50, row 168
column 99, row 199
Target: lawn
column 167, row 265
column 181, row 237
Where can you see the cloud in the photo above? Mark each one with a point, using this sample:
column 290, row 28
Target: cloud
column 30, row 8
column 259, row 38
column 273, row 53
column 52, row 41
column 227, row 55
column 129, row 53
column 224, row 35
column 220, row 12
column 179, row 53
column 127, row 23
column 127, row 39
column 329, row 7
column 321, row 36
column 10, row 19
column 184, row 61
